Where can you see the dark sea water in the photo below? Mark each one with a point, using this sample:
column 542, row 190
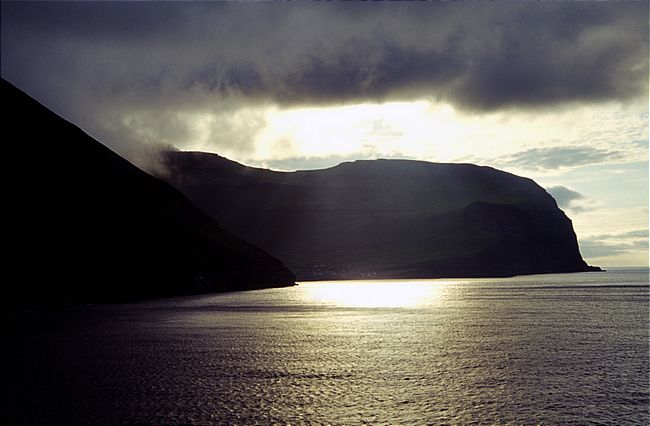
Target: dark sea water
column 547, row 349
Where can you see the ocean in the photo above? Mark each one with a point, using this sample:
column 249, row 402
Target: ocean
column 543, row 349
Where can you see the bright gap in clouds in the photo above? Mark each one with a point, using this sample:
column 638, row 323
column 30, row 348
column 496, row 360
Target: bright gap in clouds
column 303, row 138
column 418, row 129
column 541, row 142
column 413, row 129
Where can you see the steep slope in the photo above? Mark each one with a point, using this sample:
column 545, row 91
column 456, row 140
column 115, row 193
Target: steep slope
column 84, row 225
column 386, row 218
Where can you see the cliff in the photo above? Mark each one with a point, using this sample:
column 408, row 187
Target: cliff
column 84, row 225
column 386, row 218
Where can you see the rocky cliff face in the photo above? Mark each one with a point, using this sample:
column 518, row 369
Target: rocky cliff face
column 386, row 218
column 84, row 225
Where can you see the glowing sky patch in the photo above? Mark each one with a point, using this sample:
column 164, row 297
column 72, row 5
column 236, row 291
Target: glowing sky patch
column 437, row 132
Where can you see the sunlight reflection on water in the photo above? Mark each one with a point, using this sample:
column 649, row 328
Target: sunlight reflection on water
column 552, row 349
column 376, row 293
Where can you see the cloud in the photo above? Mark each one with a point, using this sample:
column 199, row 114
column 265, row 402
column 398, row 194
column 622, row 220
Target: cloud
column 642, row 143
column 606, row 245
column 641, row 233
column 559, row 157
column 478, row 56
column 567, row 198
column 563, row 195
column 100, row 63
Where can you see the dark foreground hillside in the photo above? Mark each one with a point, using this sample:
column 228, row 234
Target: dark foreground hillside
column 386, row 218
column 84, row 225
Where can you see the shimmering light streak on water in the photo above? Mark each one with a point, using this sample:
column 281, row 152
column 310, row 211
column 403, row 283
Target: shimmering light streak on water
column 375, row 293
column 555, row 349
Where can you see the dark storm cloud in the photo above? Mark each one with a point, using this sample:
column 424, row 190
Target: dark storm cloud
column 474, row 55
column 99, row 62
column 559, row 157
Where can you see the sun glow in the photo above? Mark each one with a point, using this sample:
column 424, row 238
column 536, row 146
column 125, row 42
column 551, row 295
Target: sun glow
column 429, row 130
column 375, row 293
column 386, row 129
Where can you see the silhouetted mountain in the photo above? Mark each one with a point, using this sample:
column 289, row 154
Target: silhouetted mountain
column 84, row 225
column 386, row 218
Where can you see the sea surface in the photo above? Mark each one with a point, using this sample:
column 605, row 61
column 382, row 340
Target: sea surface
column 544, row 349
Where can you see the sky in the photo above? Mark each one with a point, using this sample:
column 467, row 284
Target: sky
column 554, row 91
